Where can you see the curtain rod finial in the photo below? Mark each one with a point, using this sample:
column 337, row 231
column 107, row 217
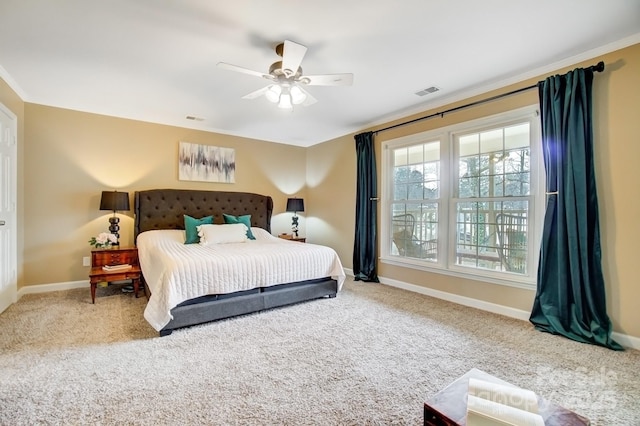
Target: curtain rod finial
column 599, row 67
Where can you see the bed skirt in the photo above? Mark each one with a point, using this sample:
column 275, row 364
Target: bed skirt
column 211, row 308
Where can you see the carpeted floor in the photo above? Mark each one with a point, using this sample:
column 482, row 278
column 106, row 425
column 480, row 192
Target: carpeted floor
column 371, row 356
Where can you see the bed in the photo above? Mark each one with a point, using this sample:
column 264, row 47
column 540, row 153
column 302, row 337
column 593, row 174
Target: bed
column 189, row 284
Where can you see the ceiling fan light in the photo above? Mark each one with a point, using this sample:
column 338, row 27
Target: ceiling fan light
column 285, row 101
column 297, row 95
column 273, row 94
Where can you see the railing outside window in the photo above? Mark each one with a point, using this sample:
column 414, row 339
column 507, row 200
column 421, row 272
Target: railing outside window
column 484, row 239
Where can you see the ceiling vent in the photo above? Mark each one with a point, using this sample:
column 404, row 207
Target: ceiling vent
column 428, row 90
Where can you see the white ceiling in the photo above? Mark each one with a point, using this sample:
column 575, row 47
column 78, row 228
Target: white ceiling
column 155, row 60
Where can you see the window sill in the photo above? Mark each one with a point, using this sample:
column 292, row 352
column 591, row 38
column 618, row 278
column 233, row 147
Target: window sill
column 527, row 283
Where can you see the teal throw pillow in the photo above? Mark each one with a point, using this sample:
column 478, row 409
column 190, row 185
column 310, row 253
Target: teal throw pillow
column 246, row 219
column 191, row 230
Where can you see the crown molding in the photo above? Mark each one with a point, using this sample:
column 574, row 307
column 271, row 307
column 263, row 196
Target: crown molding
column 13, row 84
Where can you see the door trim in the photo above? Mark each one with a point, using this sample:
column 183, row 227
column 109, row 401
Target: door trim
column 9, row 294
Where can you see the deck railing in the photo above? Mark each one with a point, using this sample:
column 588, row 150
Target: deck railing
column 478, row 243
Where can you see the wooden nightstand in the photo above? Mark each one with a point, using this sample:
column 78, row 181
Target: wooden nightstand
column 292, row 238
column 111, row 257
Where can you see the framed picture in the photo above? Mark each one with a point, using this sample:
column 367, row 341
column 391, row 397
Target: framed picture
column 206, row 163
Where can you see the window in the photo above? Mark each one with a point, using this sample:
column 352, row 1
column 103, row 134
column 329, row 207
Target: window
column 416, row 181
column 462, row 199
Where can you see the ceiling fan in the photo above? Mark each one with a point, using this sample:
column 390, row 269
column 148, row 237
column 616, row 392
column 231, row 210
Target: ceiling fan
column 287, row 79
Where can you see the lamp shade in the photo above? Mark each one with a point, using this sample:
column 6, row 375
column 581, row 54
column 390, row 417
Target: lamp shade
column 114, row 201
column 297, row 95
column 273, row 94
column 285, row 101
column 295, row 205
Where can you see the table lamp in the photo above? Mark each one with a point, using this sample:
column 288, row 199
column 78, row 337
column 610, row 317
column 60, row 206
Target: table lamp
column 114, row 201
column 295, row 205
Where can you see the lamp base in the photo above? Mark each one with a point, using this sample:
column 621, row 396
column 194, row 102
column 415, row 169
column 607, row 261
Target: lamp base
column 114, row 228
column 294, row 225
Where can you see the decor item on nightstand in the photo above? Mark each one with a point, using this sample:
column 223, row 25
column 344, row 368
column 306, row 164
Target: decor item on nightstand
column 291, row 237
column 295, row 205
column 103, row 240
column 115, row 201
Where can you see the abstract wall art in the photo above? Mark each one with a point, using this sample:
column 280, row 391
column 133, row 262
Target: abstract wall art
column 206, row 163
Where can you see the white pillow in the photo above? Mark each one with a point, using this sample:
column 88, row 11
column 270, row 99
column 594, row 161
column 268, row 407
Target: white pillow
column 221, row 234
column 261, row 234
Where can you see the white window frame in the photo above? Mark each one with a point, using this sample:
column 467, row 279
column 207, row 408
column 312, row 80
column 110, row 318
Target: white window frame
column 446, row 203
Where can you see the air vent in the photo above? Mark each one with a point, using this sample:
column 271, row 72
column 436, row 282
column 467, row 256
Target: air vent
column 194, row 118
column 427, row 91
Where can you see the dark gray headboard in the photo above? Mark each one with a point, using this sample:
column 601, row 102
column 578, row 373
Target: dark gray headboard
column 165, row 208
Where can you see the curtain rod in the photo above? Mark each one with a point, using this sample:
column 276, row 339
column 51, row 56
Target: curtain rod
column 599, row 67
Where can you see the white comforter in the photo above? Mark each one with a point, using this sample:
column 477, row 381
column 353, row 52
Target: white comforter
column 176, row 272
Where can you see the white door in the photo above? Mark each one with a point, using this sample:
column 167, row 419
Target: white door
column 8, row 225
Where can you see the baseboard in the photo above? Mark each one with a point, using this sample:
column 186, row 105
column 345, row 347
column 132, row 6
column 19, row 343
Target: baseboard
column 625, row 340
column 45, row 288
column 460, row 300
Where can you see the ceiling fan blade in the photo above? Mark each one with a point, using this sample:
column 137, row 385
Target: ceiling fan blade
column 327, row 80
column 310, row 100
column 292, row 56
column 256, row 93
column 236, row 68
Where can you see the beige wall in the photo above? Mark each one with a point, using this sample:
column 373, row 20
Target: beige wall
column 70, row 157
column 331, row 191
column 617, row 152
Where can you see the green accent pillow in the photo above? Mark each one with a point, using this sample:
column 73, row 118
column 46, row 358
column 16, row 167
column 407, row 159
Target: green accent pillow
column 246, row 219
column 191, row 230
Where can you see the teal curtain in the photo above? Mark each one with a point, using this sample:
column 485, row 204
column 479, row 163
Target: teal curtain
column 364, row 246
column 570, row 297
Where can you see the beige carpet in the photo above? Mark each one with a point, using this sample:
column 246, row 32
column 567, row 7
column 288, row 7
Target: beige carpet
column 371, row 356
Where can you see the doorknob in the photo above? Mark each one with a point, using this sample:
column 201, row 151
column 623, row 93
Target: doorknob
column 2, row 222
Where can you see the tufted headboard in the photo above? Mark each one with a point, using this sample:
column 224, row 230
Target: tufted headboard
column 165, row 208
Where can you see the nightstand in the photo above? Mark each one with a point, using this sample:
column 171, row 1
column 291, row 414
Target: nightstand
column 292, row 238
column 111, row 257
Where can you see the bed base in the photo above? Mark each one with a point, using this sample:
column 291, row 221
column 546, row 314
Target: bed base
column 213, row 308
